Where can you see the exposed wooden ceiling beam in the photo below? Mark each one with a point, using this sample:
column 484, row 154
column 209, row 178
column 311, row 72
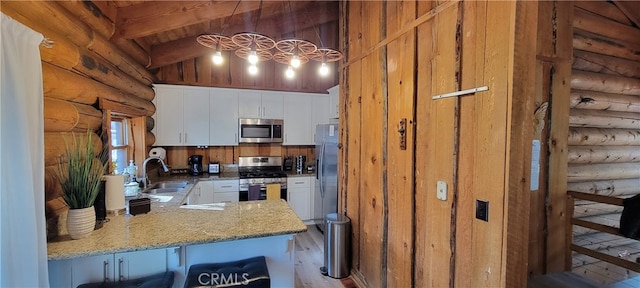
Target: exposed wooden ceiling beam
column 630, row 9
column 187, row 48
column 157, row 16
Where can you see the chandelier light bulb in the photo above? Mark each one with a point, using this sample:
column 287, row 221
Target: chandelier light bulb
column 295, row 61
column 217, row 58
column 289, row 73
column 253, row 69
column 324, row 69
column 253, row 57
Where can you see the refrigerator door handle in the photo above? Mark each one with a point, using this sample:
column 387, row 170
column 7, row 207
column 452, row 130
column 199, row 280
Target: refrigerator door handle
column 322, row 169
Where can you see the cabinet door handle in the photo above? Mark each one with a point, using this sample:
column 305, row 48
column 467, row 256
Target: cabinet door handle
column 179, row 137
column 299, row 182
column 264, row 111
column 258, row 110
column 121, row 269
column 185, row 137
column 105, row 271
column 226, row 186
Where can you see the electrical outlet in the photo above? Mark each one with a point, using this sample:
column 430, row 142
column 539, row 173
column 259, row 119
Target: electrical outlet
column 441, row 190
column 482, row 210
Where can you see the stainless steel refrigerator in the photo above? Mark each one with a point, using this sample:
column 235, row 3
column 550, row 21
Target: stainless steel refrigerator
column 326, row 183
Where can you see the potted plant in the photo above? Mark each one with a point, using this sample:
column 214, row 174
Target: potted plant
column 80, row 176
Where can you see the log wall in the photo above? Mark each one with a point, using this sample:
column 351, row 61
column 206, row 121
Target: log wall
column 594, row 120
column 400, row 54
column 82, row 67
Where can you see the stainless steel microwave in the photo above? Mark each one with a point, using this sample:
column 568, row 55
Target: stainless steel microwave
column 260, row 130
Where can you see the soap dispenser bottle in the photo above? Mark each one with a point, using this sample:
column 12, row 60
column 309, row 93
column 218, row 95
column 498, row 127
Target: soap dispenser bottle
column 133, row 171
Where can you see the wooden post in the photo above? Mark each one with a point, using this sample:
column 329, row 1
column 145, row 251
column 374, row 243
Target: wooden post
column 557, row 218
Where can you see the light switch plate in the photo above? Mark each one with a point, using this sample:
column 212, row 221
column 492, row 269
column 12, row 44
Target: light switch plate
column 441, row 190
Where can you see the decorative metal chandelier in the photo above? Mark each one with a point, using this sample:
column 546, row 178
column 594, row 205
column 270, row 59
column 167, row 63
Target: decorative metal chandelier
column 256, row 47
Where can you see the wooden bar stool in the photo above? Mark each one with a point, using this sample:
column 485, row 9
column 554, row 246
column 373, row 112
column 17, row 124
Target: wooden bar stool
column 249, row 273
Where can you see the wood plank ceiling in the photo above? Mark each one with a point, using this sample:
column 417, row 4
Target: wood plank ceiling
column 167, row 30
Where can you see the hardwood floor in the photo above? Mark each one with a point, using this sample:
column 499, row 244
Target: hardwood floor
column 309, row 259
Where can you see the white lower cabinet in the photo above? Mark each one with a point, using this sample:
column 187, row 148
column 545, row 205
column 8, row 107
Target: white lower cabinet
column 202, row 193
column 216, row 191
column 299, row 195
column 112, row 267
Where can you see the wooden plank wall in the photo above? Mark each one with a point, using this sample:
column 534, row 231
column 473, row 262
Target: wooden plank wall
column 233, row 72
column 177, row 156
column 401, row 53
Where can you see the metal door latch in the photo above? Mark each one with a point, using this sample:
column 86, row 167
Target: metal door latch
column 402, row 129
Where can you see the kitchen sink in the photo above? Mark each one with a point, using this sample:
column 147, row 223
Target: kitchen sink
column 168, row 185
column 163, row 190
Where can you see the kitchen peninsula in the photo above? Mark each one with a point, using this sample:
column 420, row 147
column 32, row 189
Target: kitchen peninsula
column 172, row 237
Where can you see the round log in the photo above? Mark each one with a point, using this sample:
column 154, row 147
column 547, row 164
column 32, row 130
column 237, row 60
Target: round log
column 71, row 28
column 604, row 101
column 52, row 188
column 35, row 14
column 55, row 145
column 63, row 53
column 599, row 136
column 593, row 62
column 65, row 116
column 605, row 9
column 91, row 15
column 104, row 48
column 603, row 154
column 581, row 80
column 590, row 172
column 66, row 85
column 621, row 187
column 583, row 40
column 603, row 119
column 150, row 123
column 134, row 50
column 150, row 138
column 97, row 68
column 602, row 26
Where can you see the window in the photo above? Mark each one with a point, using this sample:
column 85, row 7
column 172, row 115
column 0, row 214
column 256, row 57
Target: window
column 121, row 150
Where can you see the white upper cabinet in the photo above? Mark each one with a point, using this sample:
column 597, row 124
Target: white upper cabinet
column 181, row 116
column 272, row 105
column 297, row 120
column 196, row 116
column 223, row 118
column 256, row 104
column 168, row 116
column 334, row 101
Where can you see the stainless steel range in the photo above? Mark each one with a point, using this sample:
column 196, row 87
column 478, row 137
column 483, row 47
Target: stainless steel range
column 260, row 171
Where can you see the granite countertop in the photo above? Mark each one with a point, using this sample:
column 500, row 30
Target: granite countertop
column 170, row 224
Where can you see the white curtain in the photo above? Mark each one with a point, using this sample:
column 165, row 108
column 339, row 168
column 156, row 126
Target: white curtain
column 23, row 243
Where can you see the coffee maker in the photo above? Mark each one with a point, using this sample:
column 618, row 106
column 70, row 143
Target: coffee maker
column 195, row 165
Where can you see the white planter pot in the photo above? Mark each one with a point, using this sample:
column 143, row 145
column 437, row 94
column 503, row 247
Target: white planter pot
column 81, row 222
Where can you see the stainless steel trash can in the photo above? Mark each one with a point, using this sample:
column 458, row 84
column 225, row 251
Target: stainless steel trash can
column 337, row 245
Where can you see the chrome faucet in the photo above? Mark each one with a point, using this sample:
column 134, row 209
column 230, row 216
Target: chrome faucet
column 145, row 181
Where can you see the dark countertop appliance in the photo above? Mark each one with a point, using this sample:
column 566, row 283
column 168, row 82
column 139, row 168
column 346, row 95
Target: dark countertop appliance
column 195, row 165
column 260, row 171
